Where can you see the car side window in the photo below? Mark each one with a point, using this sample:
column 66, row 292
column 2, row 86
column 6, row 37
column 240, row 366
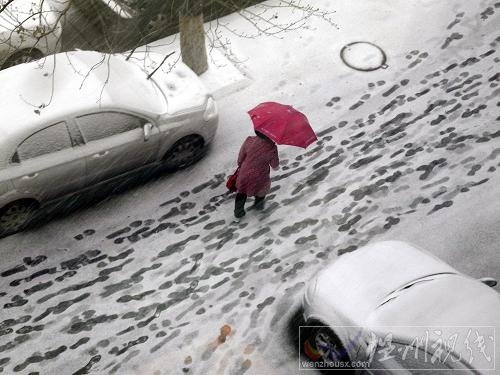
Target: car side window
column 101, row 125
column 49, row 140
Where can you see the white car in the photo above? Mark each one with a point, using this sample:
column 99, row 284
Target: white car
column 29, row 30
column 75, row 120
column 390, row 307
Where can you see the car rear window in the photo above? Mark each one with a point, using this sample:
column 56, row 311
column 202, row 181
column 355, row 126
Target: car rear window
column 49, row 140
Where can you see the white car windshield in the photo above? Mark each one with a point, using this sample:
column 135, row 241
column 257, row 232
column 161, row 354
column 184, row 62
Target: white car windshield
column 152, row 79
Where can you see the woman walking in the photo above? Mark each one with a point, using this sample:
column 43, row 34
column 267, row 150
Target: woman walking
column 274, row 123
column 257, row 155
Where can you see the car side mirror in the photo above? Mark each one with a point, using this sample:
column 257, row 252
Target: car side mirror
column 148, row 128
column 491, row 282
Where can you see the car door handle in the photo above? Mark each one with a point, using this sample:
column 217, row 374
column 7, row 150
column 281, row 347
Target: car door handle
column 100, row 154
column 30, row 176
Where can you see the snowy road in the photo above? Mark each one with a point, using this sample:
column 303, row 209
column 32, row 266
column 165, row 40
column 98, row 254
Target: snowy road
column 143, row 282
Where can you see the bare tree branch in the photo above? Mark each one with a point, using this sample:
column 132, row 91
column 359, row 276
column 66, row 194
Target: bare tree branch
column 6, row 5
column 263, row 19
column 159, row 66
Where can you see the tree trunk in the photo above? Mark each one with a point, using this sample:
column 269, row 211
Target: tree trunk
column 192, row 35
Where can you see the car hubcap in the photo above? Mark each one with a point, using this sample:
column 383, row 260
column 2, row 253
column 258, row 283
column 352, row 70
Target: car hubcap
column 326, row 349
column 15, row 217
column 26, row 57
column 23, row 59
column 184, row 153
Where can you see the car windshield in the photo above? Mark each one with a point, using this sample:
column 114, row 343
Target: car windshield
column 152, row 79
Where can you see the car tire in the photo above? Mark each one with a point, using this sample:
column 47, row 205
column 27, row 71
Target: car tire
column 324, row 345
column 22, row 56
column 184, row 152
column 16, row 216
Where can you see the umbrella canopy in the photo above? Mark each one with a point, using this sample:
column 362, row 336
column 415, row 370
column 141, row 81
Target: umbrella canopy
column 283, row 124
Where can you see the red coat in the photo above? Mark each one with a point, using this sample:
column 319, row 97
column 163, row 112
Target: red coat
column 255, row 158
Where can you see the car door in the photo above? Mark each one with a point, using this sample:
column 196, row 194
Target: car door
column 115, row 144
column 46, row 165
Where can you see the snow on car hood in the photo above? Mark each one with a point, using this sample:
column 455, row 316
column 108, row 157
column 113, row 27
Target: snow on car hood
column 182, row 88
column 355, row 284
column 19, row 11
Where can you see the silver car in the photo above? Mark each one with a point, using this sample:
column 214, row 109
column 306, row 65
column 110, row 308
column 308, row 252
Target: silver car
column 391, row 308
column 29, row 30
column 75, row 120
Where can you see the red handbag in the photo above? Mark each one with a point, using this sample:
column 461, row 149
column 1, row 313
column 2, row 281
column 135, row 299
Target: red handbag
column 231, row 181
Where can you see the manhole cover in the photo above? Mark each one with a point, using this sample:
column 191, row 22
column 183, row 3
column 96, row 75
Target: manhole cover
column 363, row 56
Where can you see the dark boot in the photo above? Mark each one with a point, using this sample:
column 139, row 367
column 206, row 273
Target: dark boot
column 239, row 205
column 259, row 203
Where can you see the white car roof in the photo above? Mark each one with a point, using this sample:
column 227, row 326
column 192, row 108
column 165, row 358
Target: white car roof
column 448, row 307
column 40, row 93
column 357, row 287
column 358, row 282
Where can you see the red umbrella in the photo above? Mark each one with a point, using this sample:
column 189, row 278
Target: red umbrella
column 283, row 124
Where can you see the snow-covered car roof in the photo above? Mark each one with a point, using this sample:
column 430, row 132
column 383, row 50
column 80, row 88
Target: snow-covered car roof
column 447, row 308
column 45, row 91
column 393, row 287
column 358, row 282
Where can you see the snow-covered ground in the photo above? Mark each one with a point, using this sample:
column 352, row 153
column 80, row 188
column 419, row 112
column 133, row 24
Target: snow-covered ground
column 144, row 281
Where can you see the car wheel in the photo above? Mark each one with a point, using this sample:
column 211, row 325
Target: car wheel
column 16, row 216
column 22, row 56
column 184, row 152
column 324, row 345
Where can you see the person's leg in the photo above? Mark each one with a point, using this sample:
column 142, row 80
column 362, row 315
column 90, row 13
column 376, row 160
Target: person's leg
column 239, row 205
column 259, row 203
